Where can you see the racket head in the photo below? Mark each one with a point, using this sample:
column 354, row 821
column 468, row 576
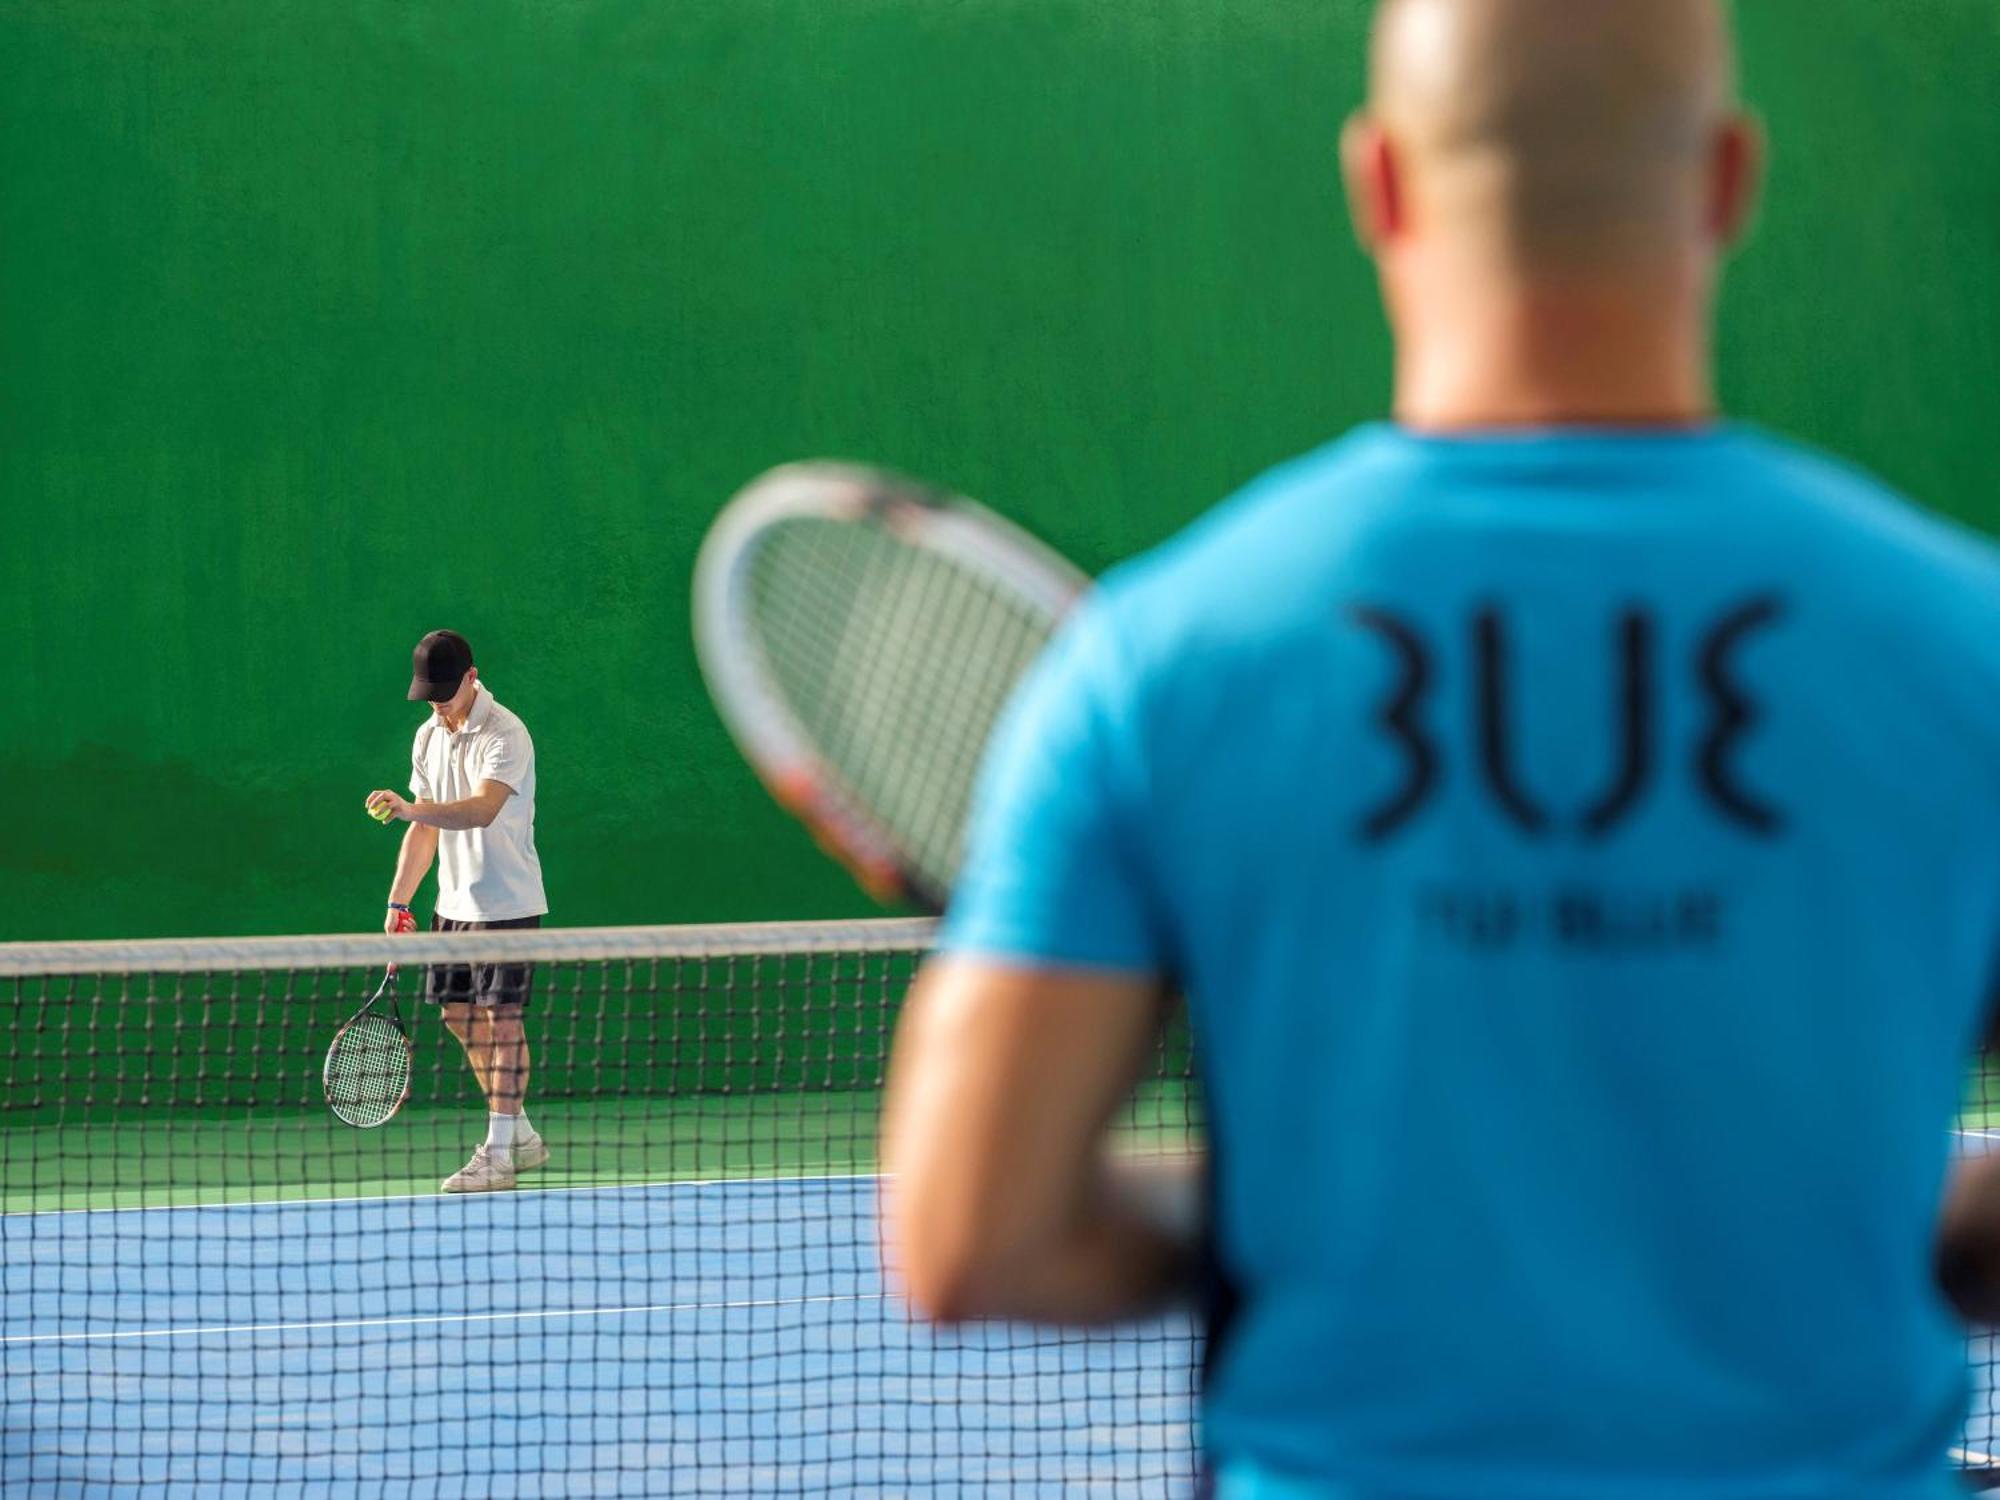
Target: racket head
column 860, row 633
column 370, row 1064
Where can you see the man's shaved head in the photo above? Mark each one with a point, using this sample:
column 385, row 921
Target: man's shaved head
column 1560, row 133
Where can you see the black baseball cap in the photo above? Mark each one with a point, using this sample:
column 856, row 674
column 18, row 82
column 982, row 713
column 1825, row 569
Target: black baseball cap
column 440, row 663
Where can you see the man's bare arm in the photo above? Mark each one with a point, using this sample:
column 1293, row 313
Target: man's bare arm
column 1968, row 1252
column 1968, row 1245
column 1004, row 1201
column 476, row 811
column 413, row 862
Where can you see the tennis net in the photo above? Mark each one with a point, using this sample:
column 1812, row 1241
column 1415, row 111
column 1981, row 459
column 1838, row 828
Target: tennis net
column 209, row 1286
column 213, row 1287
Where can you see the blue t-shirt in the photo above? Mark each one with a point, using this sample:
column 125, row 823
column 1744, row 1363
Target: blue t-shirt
column 1580, row 852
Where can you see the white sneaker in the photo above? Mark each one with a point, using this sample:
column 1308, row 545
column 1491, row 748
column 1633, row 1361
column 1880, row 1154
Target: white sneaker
column 531, row 1153
column 485, row 1173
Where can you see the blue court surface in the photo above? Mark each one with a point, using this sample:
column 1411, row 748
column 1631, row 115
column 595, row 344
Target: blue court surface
column 731, row 1338
column 728, row 1338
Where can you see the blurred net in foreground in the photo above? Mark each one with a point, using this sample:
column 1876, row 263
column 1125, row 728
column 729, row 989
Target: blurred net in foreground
column 209, row 1286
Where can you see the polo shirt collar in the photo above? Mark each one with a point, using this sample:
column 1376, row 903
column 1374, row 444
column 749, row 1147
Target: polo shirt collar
column 475, row 717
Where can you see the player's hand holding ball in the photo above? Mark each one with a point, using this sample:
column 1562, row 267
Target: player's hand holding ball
column 387, row 807
column 398, row 919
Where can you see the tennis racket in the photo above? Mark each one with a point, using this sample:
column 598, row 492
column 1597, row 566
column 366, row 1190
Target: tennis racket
column 368, row 1067
column 860, row 633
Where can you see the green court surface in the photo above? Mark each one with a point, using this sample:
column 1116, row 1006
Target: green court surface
column 1982, row 1102
column 239, row 1155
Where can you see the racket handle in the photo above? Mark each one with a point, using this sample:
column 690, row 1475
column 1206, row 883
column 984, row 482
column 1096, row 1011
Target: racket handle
column 406, row 921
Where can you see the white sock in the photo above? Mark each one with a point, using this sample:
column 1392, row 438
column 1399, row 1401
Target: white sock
column 500, row 1136
column 522, row 1129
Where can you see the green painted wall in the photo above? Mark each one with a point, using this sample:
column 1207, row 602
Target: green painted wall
column 323, row 325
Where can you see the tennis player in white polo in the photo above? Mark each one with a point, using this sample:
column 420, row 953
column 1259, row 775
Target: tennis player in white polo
column 472, row 808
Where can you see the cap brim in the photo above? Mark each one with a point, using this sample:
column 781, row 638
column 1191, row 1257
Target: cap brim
column 432, row 692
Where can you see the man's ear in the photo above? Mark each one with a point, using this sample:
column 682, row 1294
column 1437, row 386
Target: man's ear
column 1735, row 179
column 1369, row 167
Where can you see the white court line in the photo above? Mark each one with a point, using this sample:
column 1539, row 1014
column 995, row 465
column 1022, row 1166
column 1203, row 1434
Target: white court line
column 431, row 1319
column 515, row 1195
column 1982, row 1134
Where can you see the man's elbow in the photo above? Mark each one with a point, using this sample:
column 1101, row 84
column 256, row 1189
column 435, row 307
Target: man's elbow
column 946, row 1260
column 1968, row 1241
column 945, row 1287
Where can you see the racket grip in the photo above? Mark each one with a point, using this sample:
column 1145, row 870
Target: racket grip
column 406, row 921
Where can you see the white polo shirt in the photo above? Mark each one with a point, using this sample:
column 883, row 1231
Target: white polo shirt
column 485, row 874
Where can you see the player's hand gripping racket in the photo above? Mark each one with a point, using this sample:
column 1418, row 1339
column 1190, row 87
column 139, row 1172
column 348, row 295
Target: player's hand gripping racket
column 860, row 634
column 368, row 1067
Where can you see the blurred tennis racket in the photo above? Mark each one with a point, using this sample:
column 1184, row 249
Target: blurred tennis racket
column 368, row 1067
column 860, row 634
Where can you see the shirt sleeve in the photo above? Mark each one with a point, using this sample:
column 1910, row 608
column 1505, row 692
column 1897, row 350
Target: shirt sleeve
column 1054, row 873
column 505, row 757
column 420, row 784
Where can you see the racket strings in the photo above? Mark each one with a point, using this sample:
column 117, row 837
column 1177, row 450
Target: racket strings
column 814, row 587
column 368, row 1071
column 987, row 641
column 1007, row 641
column 971, row 625
column 840, row 657
column 820, row 614
column 909, row 697
column 838, row 648
column 896, row 659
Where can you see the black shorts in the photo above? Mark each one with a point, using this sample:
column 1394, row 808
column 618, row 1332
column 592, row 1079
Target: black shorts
column 480, row 984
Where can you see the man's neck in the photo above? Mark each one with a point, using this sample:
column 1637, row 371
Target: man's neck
column 454, row 722
column 1578, row 355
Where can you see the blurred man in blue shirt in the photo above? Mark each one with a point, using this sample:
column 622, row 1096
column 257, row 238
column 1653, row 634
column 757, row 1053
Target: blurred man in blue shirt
column 1574, row 824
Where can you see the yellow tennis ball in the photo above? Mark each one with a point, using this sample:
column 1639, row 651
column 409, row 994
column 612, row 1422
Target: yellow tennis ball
column 381, row 812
